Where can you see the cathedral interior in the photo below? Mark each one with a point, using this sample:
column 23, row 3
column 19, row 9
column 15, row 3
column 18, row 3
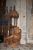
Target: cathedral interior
column 16, row 24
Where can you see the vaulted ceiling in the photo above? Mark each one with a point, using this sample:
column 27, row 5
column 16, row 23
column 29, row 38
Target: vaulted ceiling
column 2, row 3
column 2, row 7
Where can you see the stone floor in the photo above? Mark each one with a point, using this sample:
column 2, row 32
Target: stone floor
column 20, row 47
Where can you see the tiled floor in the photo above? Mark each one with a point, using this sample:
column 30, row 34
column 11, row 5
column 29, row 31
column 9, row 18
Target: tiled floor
column 20, row 47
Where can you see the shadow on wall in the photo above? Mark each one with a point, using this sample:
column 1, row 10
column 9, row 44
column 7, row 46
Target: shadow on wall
column 1, row 38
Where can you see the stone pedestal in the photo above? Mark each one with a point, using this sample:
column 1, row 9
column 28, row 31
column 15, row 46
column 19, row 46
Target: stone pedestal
column 14, row 38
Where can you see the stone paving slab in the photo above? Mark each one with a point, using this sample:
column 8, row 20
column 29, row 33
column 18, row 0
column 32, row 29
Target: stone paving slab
column 20, row 47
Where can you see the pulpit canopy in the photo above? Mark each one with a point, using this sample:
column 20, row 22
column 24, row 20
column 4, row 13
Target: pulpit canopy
column 11, row 14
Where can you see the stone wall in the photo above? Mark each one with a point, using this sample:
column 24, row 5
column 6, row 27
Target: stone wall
column 29, row 20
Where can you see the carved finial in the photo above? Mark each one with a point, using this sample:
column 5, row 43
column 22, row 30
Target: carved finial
column 11, row 8
column 6, row 10
column 14, row 7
